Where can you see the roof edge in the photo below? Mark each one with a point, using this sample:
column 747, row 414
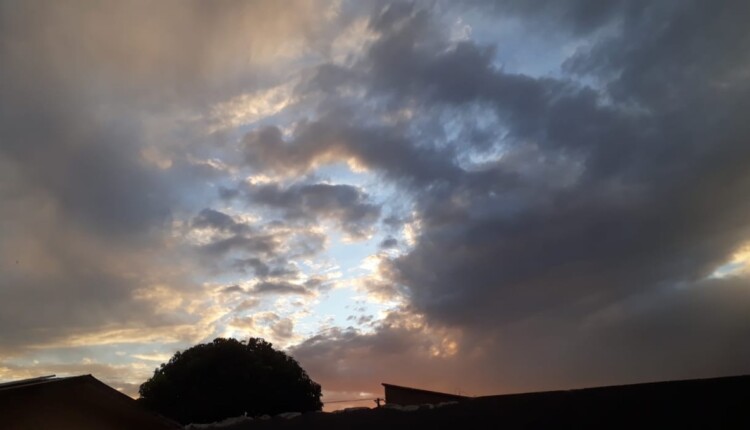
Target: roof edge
column 419, row 390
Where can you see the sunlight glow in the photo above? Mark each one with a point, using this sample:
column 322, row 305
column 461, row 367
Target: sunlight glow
column 739, row 264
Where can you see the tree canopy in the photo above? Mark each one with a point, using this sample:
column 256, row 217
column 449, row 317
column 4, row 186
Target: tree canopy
column 227, row 378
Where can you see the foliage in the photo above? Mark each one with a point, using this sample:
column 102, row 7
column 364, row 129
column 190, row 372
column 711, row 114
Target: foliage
column 226, row 378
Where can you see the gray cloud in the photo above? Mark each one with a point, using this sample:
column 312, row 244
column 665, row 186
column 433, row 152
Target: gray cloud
column 261, row 244
column 336, row 137
column 389, row 242
column 247, row 305
column 274, row 287
column 622, row 226
column 664, row 46
column 593, row 200
column 188, row 52
column 579, row 17
column 79, row 300
column 283, row 329
column 61, row 276
column 262, row 270
column 209, row 218
column 604, row 194
column 266, row 250
column 347, row 205
column 279, row 288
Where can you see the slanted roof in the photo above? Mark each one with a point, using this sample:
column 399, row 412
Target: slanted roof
column 30, row 381
column 76, row 402
column 421, row 391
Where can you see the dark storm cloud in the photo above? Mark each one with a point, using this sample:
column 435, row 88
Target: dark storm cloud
column 622, row 196
column 349, row 206
column 673, row 54
column 643, row 212
column 599, row 194
column 336, row 137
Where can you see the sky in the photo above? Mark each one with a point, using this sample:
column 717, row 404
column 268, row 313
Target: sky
column 477, row 197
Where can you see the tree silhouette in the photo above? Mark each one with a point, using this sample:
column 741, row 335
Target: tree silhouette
column 227, row 378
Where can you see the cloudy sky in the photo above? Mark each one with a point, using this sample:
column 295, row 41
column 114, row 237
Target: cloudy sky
column 472, row 196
